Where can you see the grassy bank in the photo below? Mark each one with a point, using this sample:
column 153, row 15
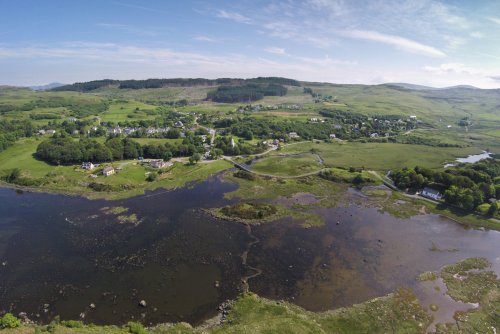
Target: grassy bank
column 130, row 179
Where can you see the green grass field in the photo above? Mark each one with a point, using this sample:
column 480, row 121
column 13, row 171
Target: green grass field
column 288, row 165
column 120, row 111
column 21, row 156
column 380, row 156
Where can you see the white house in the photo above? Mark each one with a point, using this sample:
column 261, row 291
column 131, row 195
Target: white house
column 431, row 193
column 88, row 165
column 108, row 171
column 293, row 135
column 332, row 136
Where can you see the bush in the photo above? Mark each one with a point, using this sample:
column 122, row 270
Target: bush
column 152, row 177
column 72, row 323
column 9, row 321
column 136, row 328
column 100, row 186
column 243, row 174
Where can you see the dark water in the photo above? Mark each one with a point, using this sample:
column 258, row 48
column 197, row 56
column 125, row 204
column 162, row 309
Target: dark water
column 66, row 252
column 63, row 251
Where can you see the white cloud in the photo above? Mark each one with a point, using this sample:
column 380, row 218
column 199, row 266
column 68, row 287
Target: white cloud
column 202, row 38
column 333, row 7
column 399, row 42
column 445, row 14
column 275, row 50
column 459, row 74
column 127, row 28
column 233, row 16
column 476, row 34
column 452, row 68
column 454, row 42
column 494, row 20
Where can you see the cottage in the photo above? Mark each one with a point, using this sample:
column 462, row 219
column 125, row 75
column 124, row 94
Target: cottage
column 88, row 165
column 108, row 171
column 431, row 193
column 159, row 163
column 293, row 135
column 332, row 136
column 50, row 132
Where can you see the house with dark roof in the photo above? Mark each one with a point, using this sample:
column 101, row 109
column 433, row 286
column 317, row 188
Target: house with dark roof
column 431, row 193
column 88, row 165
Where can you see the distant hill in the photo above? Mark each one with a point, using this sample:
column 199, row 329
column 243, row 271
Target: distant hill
column 409, row 86
column 462, row 87
column 420, row 87
column 176, row 82
column 48, row 86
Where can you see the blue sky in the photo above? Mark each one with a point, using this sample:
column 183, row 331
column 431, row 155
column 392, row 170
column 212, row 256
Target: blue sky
column 437, row 43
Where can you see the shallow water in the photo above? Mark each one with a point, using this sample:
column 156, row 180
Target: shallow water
column 67, row 253
column 471, row 158
column 358, row 255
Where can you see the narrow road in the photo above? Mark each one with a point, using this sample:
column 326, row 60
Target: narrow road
column 246, row 169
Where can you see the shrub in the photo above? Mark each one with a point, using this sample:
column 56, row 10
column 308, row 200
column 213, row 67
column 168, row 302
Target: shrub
column 152, row 177
column 72, row 323
column 100, row 186
column 9, row 321
column 136, row 328
column 243, row 174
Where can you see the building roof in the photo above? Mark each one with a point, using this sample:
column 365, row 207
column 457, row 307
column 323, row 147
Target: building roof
column 431, row 191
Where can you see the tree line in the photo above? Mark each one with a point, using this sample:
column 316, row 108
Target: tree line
column 466, row 186
column 10, row 131
column 65, row 150
column 175, row 82
column 245, row 93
